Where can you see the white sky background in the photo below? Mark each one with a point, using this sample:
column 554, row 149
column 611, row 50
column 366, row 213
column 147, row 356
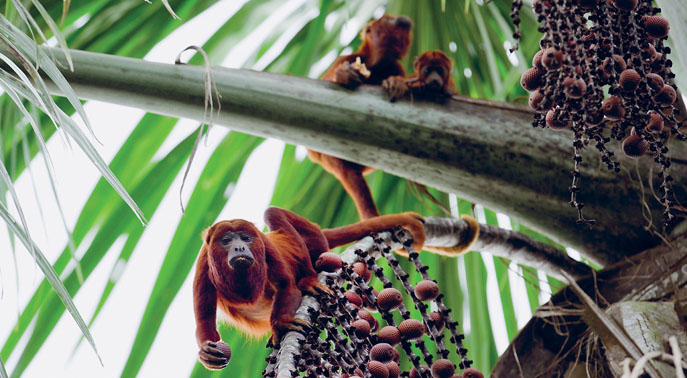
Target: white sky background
column 174, row 350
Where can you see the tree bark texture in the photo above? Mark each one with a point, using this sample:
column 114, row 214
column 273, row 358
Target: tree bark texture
column 549, row 341
column 486, row 152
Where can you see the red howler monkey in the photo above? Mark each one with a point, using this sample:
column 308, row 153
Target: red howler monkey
column 385, row 42
column 431, row 80
column 257, row 279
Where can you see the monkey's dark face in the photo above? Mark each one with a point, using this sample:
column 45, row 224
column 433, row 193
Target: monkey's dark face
column 433, row 68
column 237, row 243
column 389, row 37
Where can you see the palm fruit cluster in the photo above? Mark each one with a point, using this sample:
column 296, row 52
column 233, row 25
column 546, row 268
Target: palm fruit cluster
column 603, row 72
column 347, row 341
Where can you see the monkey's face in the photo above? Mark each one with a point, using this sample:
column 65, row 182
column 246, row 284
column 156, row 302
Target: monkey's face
column 237, row 243
column 389, row 37
column 433, row 68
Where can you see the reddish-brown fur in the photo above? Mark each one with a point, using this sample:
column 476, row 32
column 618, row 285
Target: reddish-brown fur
column 264, row 297
column 431, row 80
column 385, row 42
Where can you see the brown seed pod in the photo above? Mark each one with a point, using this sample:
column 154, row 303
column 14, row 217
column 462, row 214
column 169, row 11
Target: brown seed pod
column 394, row 370
column 426, row 290
column 397, row 356
column 411, row 329
column 438, row 320
column 655, row 124
column 390, row 335
column 328, row 262
column 361, row 328
column 374, row 324
column 361, row 269
column 224, row 348
column 656, row 26
column 389, row 299
column 613, row 63
column 654, row 81
column 416, row 374
column 634, row 146
column 377, row 369
column 552, row 59
column 531, row 79
column 574, row 88
column 629, row 80
column 613, row 108
column 651, row 50
column 625, row 5
column 553, row 121
column 382, row 352
column 536, row 60
column 353, row 298
column 666, row 96
column 537, row 101
column 442, row 368
column 472, row 373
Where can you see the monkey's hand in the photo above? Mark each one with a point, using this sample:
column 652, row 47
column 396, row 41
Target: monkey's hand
column 348, row 75
column 395, row 87
column 286, row 324
column 414, row 223
column 311, row 286
column 214, row 355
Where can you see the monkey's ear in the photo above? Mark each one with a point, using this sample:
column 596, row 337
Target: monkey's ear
column 417, row 59
column 206, row 234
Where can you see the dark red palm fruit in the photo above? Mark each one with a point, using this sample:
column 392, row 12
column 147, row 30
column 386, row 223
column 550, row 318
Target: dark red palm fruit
column 442, row 368
column 625, row 5
column 613, row 108
column 574, row 88
column 536, row 101
column 389, row 299
column 362, row 328
column 656, row 26
column 472, row 373
column 416, row 374
column 666, row 96
column 629, row 80
column 654, row 81
column 361, row 269
column 613, row 63
column 438, row 320
column 411, row 329
column 536, row 60
column 394, row 370
column 390, row 335
column 426, row 290
column 552, row 59
column 655, row 124
column 634, row 146
column 374, row 324
column 382, row 352
column 353, row 298
column 587, row 4
column 328, row 262
column 377, row 369
column 532, row 79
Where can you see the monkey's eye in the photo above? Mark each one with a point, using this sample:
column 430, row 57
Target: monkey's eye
column 226, row 239
column 246, row 237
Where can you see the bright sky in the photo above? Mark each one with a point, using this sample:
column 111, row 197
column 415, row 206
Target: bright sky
column 174, row 350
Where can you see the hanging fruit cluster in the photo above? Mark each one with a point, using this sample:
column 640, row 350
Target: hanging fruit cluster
column 355, row 344
column 603, row 72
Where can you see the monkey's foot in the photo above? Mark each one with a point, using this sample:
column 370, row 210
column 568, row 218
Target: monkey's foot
column 347, row 76
column 309, row 285
column 214, row 355
column 395, row 87
column 287, row 324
